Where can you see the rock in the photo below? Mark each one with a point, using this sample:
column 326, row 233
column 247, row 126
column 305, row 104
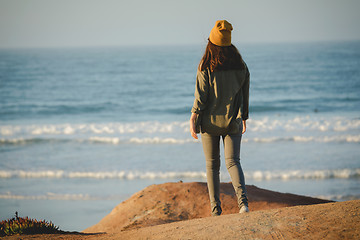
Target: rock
column 171, row 202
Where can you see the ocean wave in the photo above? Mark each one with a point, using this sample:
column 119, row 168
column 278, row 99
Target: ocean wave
column 49, row 196
column 100, row 140
column 133, row 175
column 23, row 141
column 301, row 174
column 171, row 140
column 129, row 175
column 157, row 140
column 339, row 197
column 306, row 123
column 322, row 139
column 88, row 197
column 153, row 140
column 94, row 128
column 266, row 124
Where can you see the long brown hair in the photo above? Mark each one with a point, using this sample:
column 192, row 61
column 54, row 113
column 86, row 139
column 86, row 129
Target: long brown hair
column 221, row 58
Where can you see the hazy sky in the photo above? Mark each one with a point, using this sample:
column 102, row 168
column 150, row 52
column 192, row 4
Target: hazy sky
column 49, row 23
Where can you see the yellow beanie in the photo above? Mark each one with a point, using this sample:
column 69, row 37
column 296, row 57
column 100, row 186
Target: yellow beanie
column 220, row 35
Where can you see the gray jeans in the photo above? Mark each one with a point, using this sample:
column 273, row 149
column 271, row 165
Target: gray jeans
column 211, row 146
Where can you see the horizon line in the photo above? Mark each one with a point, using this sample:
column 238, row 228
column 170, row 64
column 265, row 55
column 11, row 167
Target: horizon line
column 101, row 46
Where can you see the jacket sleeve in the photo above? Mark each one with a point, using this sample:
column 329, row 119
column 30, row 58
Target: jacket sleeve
column 201, row 91
column 245, row 94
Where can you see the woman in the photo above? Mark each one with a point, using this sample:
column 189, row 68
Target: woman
column 222, row 105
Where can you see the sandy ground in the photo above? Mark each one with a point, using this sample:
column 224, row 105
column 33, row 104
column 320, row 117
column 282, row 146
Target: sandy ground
column 325, row 221
column 163, row 212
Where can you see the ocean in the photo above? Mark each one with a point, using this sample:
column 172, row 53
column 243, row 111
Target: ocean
column 82, row 129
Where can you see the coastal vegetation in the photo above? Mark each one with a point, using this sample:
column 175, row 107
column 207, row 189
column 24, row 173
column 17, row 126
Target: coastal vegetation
column 26, row 225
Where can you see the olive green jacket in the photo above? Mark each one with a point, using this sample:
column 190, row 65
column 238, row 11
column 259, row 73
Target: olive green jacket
column 222, row 100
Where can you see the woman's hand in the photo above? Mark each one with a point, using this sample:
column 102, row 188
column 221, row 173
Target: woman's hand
column 244, row 126
column 192, row 125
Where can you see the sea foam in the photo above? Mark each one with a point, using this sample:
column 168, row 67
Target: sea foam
column 346, row 173
column 172, row 140
column 336, row 124
column 264, row 130
column 49, row 196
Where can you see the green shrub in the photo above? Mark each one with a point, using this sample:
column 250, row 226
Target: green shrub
column 19, row 225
